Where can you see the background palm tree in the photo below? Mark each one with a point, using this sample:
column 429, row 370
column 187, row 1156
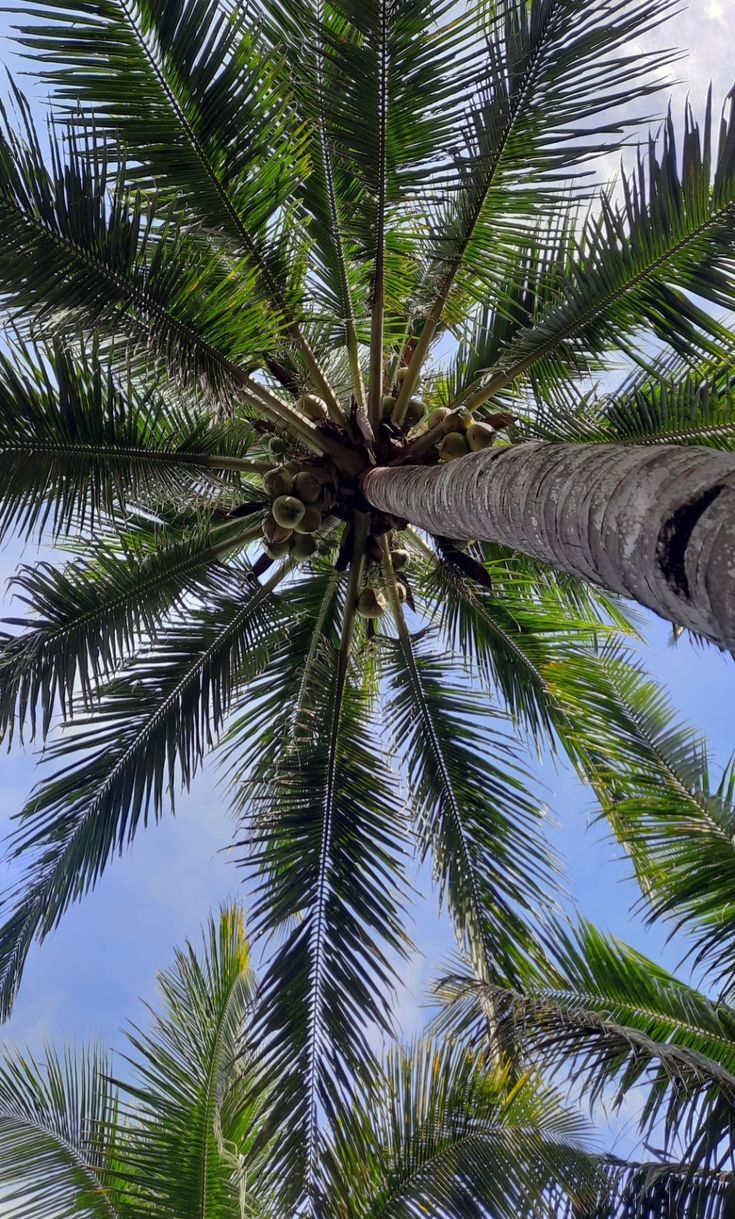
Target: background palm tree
column 226, row 268
column 614, row 1024
column 183, row 1135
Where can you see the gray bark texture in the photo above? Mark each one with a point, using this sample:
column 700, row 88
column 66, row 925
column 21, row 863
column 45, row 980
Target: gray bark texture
column 655, row 523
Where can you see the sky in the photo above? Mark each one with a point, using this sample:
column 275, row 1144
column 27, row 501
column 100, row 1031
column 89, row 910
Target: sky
column 86, row 979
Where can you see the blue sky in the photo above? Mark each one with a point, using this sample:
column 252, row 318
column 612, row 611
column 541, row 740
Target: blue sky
column 85, row 980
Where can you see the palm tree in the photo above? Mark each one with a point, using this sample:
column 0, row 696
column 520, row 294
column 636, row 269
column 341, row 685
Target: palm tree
column 184, row 1135
column 226, row 267
column 615, row 1023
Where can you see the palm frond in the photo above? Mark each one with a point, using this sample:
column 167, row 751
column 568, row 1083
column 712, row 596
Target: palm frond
column 322, row 836
column 615, row 1021
column 77, row 444
column 55, row 1125
column 639, row 264
column 522, row 636
column 547, row 69
column 441, row 1135
column 668, row 402
column 474, row 812
column 185, row 1149
column 198, row 101
column 86, row 619
column 80, row 246
column 154, row 724
column 674, row 821
column 658, row 1191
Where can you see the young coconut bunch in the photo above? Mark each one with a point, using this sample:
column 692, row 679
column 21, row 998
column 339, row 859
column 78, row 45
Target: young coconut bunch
column 237, row 269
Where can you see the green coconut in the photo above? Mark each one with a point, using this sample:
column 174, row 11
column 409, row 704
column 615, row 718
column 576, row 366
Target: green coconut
column 415, row 411
column 453, row 446
column 278, row 482
column 437, row 416
column 307, row 487
column 402, row 373
column 388, row 402
column 310, row 521
column 371, row 603
column 288, row 511
column 278, row 550
column 279, row 445
column 479, row 436
column 304, row 546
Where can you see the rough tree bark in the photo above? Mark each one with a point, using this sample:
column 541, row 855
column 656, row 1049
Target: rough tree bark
column 655, row 523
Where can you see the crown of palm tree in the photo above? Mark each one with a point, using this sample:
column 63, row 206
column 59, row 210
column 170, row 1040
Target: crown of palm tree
column 442, row 1130
column 186, row 1133
column 229, row 270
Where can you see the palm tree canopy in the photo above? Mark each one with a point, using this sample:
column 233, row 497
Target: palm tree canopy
column 618, row 1026
column 185, row 1133
column 258, row 247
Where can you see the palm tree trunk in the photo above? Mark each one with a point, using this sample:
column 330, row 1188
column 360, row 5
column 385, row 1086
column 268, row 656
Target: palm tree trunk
column 653, row 523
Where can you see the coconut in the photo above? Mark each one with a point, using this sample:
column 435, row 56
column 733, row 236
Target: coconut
column 304, row 546
column 402, row 373
column 400, row 559
column 415, row 411
column 275, row 533
column 278, row 482
column 307, row 487
column 479, row 436
column 437, row 416
column 310, row 521
column 313, row 407
column 387, row 403
column 371, row 603
column 279, row 445
column 452, row 446
column 288, row 511
column 278, row 550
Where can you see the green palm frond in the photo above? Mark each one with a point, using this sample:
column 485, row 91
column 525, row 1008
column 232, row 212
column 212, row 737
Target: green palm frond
column 615, row 1021
column 195, row 96
column 55, row 1135
column 80, row 246
column 638, row 264
column 522, row 636
column 440, row 1135
column 322, row 835
column 659, row 1191
column 154, row 724
column 77, row 444
column 548, row 69
column 474, row 812
column 673, row 402
column 674, row 821
column 186, row 1148
column 88, row 618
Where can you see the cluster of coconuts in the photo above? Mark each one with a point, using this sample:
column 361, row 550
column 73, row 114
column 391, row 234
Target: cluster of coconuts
column 372, row 602
column 463, row 434
column 297, row 509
